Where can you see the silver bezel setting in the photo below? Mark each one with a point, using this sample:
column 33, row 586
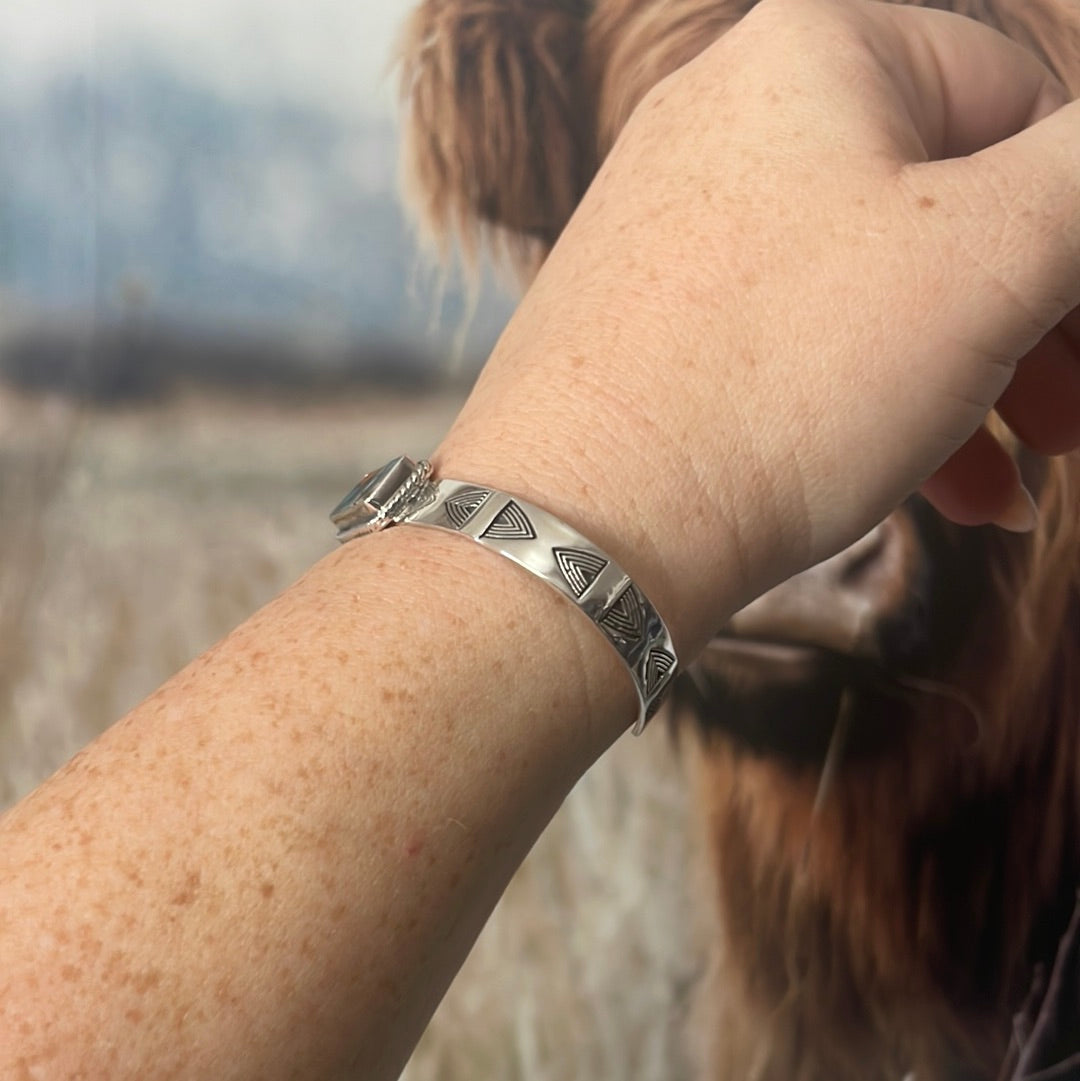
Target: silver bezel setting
column 382, row 497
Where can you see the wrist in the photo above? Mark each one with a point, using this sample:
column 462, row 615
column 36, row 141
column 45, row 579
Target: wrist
column 644, row 527
column 534, row 667
column 598, row 412
column 405, row 492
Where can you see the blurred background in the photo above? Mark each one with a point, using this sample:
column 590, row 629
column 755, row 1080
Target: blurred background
column 213, row 317
column 206, row 193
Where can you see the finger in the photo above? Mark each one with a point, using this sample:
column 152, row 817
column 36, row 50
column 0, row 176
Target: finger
column 964, row 86
column 1009, row 196
column 1042, row 403
column 981, row 484
column 1013, row 228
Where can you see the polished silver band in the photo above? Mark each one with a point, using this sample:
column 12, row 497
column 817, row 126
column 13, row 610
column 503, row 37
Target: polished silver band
column 537, row 541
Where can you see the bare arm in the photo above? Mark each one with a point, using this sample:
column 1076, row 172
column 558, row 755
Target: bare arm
column 272, row 868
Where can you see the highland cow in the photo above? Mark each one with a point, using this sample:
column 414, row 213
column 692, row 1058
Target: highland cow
column 887, row 747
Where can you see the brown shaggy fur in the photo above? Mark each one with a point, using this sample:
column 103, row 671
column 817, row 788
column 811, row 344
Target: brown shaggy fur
column 899, row 928
column 500, row 130
column 901, row 925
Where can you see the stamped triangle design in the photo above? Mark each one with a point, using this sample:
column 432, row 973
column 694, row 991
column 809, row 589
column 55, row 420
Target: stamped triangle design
column 511, row 523
column 579, row 568
column 658, row 668
column 461, row 506
column 626, row 617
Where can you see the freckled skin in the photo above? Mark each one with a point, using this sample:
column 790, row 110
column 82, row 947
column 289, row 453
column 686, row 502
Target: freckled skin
column 247, row 854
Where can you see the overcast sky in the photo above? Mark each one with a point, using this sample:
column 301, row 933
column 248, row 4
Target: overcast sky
column 329, row 52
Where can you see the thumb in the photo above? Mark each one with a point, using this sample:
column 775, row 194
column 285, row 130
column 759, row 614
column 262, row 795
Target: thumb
column 994, row 147
column 1016, row 207
column 1015, row 222
column 961, row 85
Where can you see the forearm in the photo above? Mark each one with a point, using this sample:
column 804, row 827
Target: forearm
column 273, row 867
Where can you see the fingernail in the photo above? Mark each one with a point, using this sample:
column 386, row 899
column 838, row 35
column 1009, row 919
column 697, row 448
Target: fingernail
column 1021, row 515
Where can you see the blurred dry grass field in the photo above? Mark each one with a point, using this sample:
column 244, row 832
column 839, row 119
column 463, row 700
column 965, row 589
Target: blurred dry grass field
column 130, row 540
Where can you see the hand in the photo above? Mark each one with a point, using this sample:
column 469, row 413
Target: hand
column 796, row 288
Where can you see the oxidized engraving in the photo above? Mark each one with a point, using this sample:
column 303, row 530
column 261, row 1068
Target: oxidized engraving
column 658, row 668
column 626, row 617
column 510, row 524
column 462, row 506
column 579, row 568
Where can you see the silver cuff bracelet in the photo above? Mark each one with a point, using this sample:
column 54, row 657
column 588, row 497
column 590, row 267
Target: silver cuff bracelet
column 404, row 492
